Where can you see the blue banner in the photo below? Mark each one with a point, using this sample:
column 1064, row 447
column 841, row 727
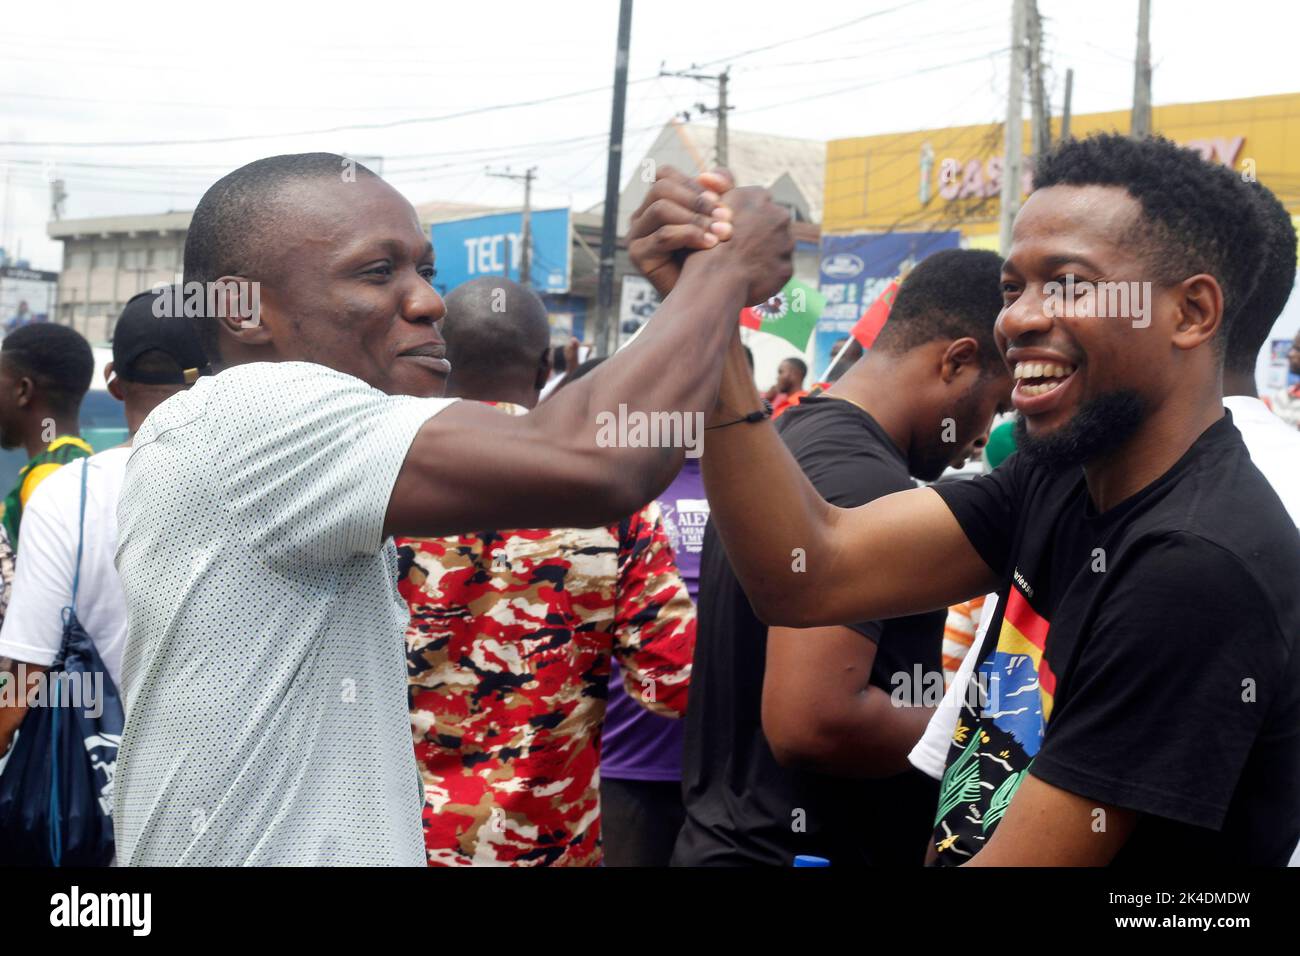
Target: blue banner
column 493, row 246
column 854, row 270
column 567, row 315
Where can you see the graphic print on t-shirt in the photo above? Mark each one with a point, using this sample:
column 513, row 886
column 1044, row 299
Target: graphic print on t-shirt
column 1020, row 683
column 1000, row 734
column 1177, row 702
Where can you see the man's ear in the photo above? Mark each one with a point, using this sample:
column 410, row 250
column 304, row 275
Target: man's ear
column 240, row 312
column 114, row 383
column 960, row 356
column 543, row 369
column 1199, row 300
column 25, row 393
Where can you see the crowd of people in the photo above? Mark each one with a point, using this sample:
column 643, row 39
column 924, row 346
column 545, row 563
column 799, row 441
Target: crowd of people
column 368, row 597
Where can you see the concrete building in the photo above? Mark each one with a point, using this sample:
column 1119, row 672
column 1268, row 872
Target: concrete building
column 945, row 185
column 793, row 169
column 108, row 259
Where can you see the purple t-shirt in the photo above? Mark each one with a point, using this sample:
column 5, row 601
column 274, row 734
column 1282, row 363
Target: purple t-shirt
column 639, row 745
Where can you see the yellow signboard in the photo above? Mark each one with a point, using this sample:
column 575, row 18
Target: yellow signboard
column 939, row 179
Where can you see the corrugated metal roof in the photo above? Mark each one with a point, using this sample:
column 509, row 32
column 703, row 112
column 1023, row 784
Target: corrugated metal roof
column 759, row 159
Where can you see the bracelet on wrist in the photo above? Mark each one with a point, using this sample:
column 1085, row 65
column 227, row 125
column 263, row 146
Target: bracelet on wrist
column 752, row 418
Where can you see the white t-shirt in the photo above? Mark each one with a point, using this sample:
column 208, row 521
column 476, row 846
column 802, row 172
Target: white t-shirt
column 265, row 670
column 33, row 626
column 1274, row 447
column 930, row 755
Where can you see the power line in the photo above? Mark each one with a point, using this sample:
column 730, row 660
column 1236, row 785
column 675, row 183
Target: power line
column 875, row 82
column 983, row 150
column 806, row 36
column 908, row 46
column 247, row 107
column 480, row 153
column 390, row 124
column 499, row 153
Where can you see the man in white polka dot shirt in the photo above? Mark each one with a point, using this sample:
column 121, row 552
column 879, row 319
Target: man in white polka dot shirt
column 264, row 672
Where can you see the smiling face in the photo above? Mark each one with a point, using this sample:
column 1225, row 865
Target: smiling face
column 1084, row 323
column 349, row 287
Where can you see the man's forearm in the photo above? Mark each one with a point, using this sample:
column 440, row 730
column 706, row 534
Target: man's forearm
column 13, row 696
column 821, row 712
column 598, row 451
column 673, row 367
column 609, row 443
column 805, row 563
column 770, row 517
column 869, row 738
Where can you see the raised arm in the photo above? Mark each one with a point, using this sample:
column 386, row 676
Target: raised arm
column 470, row 467
column 806, row 563
column 803, row 562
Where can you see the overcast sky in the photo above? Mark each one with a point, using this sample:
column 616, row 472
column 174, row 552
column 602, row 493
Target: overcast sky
column 135, row 72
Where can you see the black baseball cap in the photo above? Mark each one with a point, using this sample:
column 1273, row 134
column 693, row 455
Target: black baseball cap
column 146, row 325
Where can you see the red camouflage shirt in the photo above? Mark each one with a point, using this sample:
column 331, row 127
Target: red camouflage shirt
column 508, row 655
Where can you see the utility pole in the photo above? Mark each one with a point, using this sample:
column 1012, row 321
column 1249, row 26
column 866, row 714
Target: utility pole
column 613, row 174
column 58, row 196
column 1040, row 122
column 720, row 111
column 1141, row 125
column 4, row 219
column 1065, row 112
column 1013, row 138
column 525, row 254
column 526, row 258
column 723, row 154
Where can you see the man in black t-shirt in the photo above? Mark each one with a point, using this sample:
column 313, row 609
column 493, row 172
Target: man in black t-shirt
column 771, row 752
column 1140, row 680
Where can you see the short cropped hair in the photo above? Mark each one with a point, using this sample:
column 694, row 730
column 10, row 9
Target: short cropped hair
column 57, row 358
column 232, row 231
column 1255, row 319
column 1197, row 216
column 496, row 330
column 951, row 294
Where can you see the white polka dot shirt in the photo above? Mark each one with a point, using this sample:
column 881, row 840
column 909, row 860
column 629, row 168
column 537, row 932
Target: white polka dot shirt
column 264, row 672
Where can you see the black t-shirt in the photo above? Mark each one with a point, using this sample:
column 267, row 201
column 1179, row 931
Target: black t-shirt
column 742, row 807
column 1144, row 658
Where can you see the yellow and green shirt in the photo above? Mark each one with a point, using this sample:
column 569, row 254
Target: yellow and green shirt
column 57, row 453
